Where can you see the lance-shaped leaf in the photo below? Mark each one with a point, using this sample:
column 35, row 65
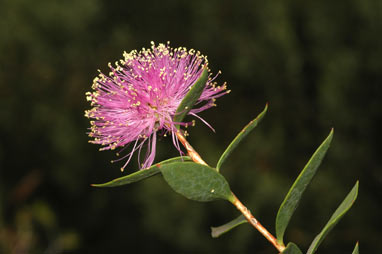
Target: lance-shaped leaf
column 337, row 215
column 191, row 97
column 293, row 197
column 242, row 134
column 218, row 231
column 292, row 248
column 356, row 251
column 196, row 181
column 141, row 174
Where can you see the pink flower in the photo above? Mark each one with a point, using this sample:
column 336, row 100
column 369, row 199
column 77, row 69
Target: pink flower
column 140, row 96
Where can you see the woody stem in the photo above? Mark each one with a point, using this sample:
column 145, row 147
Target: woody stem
column 256, row 224
column 190, row 150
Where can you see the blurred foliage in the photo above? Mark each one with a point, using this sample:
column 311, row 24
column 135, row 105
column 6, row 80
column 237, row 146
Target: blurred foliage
column 317, row 63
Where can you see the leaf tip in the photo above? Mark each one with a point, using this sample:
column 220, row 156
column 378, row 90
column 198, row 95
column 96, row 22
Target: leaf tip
column 265, row 108
column 356, row 186
column 330, row 136
column 356, row 248
column 214, row 233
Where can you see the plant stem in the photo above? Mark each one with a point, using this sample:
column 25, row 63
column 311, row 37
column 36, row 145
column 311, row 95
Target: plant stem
column 236, row 202
column 251, row 219
column 190, row 150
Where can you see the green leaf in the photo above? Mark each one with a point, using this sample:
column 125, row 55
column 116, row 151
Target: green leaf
column 218, row 231
column 356, row 251
column 191, row 97
column 293, row 197
column 141, row 174
column 196, row 181
column 242, row 134
column 292, row 249
column 337, row 215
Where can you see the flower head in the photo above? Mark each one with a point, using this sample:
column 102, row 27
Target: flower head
column 140, row 96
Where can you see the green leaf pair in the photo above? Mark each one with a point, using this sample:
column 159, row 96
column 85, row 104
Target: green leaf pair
column 337, row 215
column 294, row 195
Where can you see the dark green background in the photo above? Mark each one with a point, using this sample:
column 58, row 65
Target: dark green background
column 317, row 63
